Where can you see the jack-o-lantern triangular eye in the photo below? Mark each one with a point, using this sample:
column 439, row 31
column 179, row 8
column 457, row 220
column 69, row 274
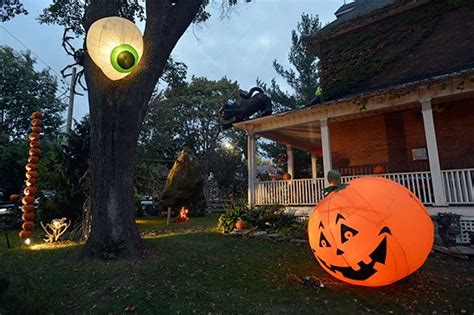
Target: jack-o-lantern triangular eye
column 347, row 233
column 323, row 242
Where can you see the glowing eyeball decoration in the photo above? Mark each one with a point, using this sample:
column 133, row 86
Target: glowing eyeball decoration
column 116, row 45
column 373, row 232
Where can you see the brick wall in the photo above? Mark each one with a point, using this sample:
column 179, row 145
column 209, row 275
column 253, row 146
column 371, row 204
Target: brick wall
column 388, row 139
column 455, row 134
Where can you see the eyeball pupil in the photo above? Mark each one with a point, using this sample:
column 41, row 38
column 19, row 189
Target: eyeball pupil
column 324, row 243
column 348, row 234
column 126, row 60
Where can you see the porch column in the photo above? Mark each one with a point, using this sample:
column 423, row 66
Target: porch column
column 433, row 157
column 314, row 165
column 326, row 144
column 290, row 161
column 251, row 164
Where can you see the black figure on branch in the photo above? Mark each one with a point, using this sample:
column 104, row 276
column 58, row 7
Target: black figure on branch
column 245, row 107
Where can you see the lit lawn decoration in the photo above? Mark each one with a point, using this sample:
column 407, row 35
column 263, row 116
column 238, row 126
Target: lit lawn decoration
column 183, row 215
column 55, row 229
column 30, row 191
column 372, row 232
column 115, row 45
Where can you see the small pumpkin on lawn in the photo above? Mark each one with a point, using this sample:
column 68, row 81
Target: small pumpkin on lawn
column 36, row 129
column 31, row 174
column 33, row 136
column 35, row 144
column 30, row 191
column 240, row 224
column 379, row 169
column 31, row 181
column 28, row 200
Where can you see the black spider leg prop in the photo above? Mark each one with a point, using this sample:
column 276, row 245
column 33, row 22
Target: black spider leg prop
column 78, row 56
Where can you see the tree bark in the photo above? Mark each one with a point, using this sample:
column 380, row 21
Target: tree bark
column 117, row 110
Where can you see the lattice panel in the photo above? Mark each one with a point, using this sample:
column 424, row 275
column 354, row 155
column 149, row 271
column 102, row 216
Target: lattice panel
column 467, row 224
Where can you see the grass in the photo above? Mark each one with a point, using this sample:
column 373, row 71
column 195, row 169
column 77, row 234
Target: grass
column 189, row 268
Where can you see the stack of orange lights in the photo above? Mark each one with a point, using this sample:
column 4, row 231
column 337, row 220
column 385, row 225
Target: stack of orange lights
column 30, row 191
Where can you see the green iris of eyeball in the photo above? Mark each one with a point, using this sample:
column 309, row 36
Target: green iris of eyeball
column 124, row 58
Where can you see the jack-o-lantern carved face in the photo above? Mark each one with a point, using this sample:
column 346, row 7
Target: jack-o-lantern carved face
column 373, row 232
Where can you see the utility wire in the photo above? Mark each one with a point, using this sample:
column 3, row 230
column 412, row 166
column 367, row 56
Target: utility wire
column 58, row 76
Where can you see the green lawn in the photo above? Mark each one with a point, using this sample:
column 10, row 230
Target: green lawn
column 190, row 268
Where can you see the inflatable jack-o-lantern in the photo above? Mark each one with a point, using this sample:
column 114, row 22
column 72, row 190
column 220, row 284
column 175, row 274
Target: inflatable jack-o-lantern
column 372, row 232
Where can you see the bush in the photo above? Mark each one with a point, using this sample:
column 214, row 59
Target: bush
column 271, row 219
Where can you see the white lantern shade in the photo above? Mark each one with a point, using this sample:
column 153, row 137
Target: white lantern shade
column 115, row 44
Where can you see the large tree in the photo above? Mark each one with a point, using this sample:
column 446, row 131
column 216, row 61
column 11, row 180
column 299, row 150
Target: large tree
column 117, row 109
column 302, row 76
column 303, row 81
column 23, row 90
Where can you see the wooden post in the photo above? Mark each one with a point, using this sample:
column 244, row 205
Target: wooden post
column 251, row 163
column 314, row 165
column 433, row 156
column 168, row 216
column 290, row 161
column 326, row 142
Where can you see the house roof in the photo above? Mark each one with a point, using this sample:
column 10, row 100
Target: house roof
column 301, row 127
column 357, row 9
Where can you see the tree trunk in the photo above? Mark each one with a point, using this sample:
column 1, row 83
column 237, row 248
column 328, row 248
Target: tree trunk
column 115, row 125
column 117, row 109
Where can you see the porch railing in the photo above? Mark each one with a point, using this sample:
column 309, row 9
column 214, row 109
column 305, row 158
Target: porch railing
column 418, row 182
column 289, row 192
column 459, row 186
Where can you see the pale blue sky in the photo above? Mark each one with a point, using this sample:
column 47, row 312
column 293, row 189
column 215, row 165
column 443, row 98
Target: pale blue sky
column 241, row 47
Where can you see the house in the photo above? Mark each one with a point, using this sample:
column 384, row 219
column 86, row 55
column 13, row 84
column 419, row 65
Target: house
column 398, row 100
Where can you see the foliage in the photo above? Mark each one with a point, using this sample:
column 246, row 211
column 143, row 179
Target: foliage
column 303, row 77
column 186, row 115
column 348, row 61
column 272, row 219
column 12, row 161
column 303, row 80
column 63, row 176
column 24, row 91
column 10, row 8
column 69, row 13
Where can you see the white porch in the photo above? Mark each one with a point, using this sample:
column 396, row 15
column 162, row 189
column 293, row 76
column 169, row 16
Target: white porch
column 308, row 129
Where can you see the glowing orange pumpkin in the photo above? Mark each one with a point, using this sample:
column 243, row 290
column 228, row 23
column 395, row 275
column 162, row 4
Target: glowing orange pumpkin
column 31, row 174
column 37, row 115
column 28, row 225
column 25, row 234
column 27, row 208
column 30, row 191
column 36, row 122
column 35, row 144
column 31, row 181
column 31, row 167
column 28, row 200
column 33, row 159
column 28, row 216
column 34, row 151
column 36, row 129
column 14, row 197
column 33, row 136
column 372, row 232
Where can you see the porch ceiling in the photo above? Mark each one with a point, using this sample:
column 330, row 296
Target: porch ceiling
column 305, row 136
column 289, row 127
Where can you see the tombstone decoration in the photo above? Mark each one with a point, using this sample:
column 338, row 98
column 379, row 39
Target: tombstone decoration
column 248, row 104
column 31, row 178
column 184, row 186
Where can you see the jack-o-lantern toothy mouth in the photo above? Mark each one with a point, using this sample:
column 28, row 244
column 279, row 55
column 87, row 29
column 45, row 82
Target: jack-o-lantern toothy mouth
column 366, row 270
